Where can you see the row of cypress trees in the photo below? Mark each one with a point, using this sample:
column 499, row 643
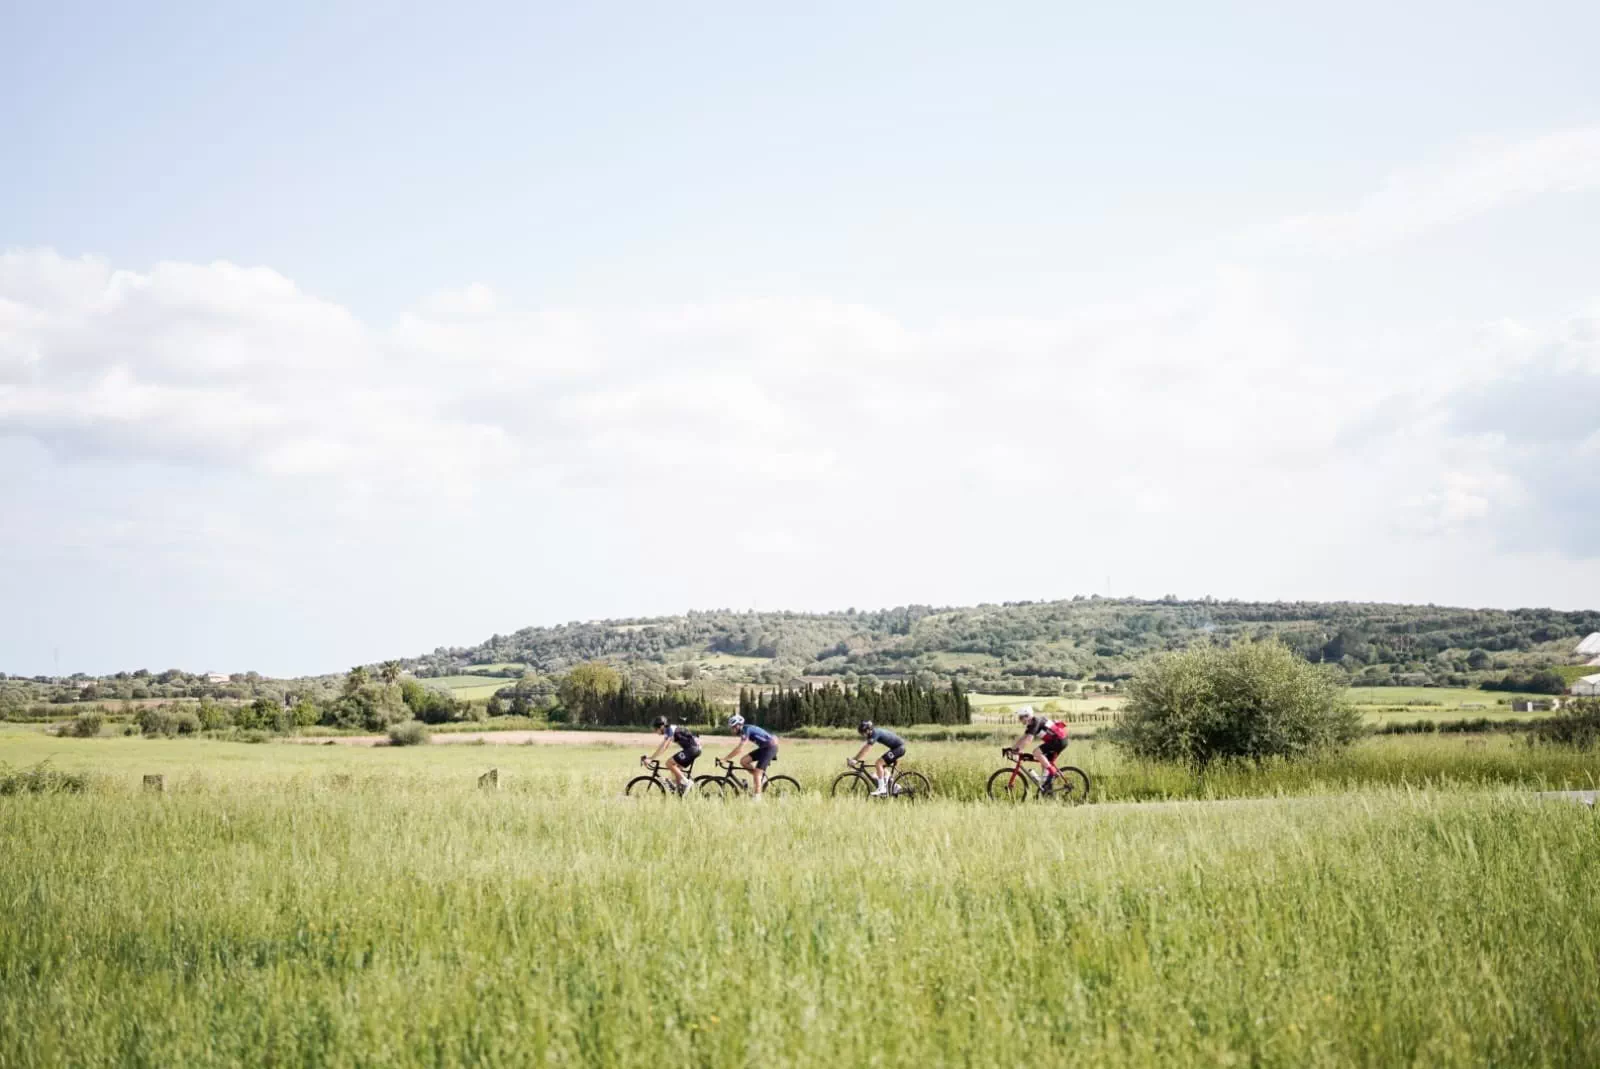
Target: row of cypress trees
column 840, row 705
column 629, row 708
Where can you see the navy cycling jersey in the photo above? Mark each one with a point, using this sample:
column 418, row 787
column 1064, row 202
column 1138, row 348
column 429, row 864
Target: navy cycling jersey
column 683, row 737
column 758, row 737
column 886, row 738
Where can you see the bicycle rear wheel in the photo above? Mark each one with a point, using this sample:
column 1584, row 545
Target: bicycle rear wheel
column 711, row 787
column 1010, row 785
column 1070, row 787
column 911, row 786
column 851, row 785
column 644, row 787
column 781, row 787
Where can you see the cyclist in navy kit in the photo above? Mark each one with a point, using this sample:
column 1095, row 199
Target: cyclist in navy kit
column 764, row 748
column 682, row 762
column 879, row 737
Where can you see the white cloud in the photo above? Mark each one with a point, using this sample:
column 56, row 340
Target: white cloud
column 1485, row 175
column 222, row 424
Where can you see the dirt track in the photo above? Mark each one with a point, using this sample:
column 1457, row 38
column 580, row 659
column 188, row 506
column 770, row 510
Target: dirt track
column 513, row 738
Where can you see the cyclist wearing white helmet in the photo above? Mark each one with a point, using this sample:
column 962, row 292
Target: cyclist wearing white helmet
column 764, row 749
column 1050, row 735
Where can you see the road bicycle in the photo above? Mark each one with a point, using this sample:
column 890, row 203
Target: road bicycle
column 859, row 783
column 731, row 782
column 654, row 785
column 1015, row 783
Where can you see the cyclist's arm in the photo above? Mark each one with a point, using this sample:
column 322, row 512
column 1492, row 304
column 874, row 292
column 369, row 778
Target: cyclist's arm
column 863, row 751
column 736, row 748
column 1022, row 740
column 660, row 748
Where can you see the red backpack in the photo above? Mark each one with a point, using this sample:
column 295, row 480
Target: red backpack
column 1056, row 729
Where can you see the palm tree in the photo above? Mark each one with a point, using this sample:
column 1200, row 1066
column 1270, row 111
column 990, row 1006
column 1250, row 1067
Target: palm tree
column 356, row 679
column 389, row 672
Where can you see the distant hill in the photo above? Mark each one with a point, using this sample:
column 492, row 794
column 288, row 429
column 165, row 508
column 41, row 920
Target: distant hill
column 1033, row 647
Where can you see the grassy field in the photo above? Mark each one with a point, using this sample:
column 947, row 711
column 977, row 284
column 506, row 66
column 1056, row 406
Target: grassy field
column 322, row 905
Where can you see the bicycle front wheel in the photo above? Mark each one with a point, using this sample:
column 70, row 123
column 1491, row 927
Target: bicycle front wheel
column 645, row 787
column 912, row 786
column 711, row 787
column 781, row 787
column 851, row 785
column 1070, row 787
column 1010, row 785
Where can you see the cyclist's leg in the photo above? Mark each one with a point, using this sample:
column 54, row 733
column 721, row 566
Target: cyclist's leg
column 759, row 760
column 747, row 762
column 680, row 765
column 1047, row 756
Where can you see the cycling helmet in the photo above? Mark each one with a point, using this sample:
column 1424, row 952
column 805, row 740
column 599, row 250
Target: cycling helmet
column 864, row 728
column 661, row 723
column 736, row 721
column 1025, row 713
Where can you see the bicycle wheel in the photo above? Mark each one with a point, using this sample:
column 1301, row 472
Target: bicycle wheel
column 710, row 787
column 1010, row 785
column 911, row 786
column 1070, row 787
column 781, row 787
column 851, row 785
column 645, row 787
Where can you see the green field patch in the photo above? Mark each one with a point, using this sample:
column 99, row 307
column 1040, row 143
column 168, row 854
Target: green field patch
column 467, row 687
column 315, row 905
column 1452, row 698
column 732, row 660
column 503, row 666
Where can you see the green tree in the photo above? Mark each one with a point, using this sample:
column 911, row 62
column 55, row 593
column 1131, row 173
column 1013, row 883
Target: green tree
column 356, row 679
column 586, row 686
column 1252, row 700
column 389, row 672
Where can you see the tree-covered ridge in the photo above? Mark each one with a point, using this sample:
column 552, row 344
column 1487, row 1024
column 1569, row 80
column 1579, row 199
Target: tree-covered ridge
column 1041, row 644
column 1018, row 648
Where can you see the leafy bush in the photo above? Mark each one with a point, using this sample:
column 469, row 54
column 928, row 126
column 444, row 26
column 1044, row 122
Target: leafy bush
column 41, row 779
column 83, row 726
column 167, row 720
column 155, row 720
column 411, row 733
column 213, row 715
column 1577, row 725
column 1250, row 700
column 429, row 705
column 364, row 705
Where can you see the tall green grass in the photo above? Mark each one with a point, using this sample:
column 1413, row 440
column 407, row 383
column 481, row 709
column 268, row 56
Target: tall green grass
column 411, row 919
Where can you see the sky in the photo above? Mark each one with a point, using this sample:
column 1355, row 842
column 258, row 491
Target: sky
column 335, row 332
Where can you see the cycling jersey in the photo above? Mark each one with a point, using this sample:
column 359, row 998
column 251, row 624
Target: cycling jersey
column 758, row 737
column 1043, row 727
column 683, row 737
column 886, row 738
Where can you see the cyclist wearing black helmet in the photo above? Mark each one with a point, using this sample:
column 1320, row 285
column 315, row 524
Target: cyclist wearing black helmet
column 682, row 761
column 880, row 737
